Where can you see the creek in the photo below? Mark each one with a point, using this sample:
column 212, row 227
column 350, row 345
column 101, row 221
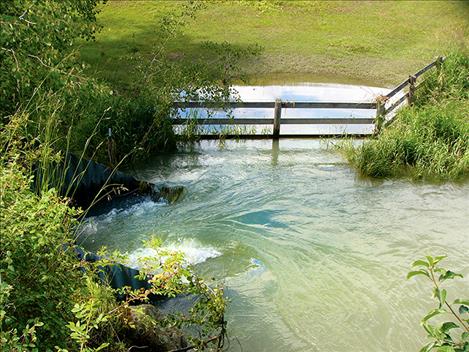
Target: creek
column 313, row 258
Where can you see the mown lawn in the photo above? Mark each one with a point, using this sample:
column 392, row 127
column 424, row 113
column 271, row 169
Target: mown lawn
column 374, row 42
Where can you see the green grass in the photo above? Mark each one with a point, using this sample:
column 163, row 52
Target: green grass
column 370, row 42
column 429, row 140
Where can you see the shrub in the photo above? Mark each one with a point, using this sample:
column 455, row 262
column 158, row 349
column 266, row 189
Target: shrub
column 36, row 46
column 41, row 275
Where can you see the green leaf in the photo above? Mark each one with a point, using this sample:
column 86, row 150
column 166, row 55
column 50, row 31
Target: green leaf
column 428, row 347
column 415, row 273
column 445, row 327
column 433, row 331
column 420, row 262
column 438, row 259
column 449, row 275
column 463, row 309
column 433, row 313
column 462, row 301
column 430, row 260
column 102, row 346
column 445, row 349
column 441, row 295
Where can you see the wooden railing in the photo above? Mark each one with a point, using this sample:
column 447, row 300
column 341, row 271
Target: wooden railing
column 411, row 83
column 277, row 120
column 278, row 105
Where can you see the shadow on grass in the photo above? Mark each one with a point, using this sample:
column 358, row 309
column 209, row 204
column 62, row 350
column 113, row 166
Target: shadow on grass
column 115, row 60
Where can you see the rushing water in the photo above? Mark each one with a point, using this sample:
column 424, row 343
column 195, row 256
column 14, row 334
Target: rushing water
column 312, row 257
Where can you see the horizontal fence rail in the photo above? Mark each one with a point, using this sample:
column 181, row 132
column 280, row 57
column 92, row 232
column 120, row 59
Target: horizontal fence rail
column 379, row 105
column 397, row 89
column 271, row 105
column 269, row 121
column 382, row 110
column 396, row 103
column 429, row 66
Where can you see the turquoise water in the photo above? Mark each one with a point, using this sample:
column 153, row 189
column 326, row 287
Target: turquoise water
column 312, row 257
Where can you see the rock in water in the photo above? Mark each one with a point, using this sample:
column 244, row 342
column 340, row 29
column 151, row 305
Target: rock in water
column 87, row 179
column 144, row 329
column 171, row 194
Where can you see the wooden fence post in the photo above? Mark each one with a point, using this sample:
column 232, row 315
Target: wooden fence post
column 277, row 117
column 410, row 96
column 380, row 112
column 439, row 62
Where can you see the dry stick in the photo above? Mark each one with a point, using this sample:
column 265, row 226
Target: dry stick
column 24, row 19
column 137, row 347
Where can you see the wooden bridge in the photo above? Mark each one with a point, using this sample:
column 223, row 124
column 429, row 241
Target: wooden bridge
column 385, row 106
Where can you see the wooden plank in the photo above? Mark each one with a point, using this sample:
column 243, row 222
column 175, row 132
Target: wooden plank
column 277, row 118
column 231, row 104
column 379, row 117
column 284, row 121
column 425, row 69
column 271, row 105
column 226, row 121
column 397, row 103
column 398, row 88
column 419, row 73
column 269, row 136
column 327, row 105
column 417, row 86
column 329, row 121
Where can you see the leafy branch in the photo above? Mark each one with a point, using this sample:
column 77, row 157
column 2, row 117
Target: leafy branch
column 443, row 336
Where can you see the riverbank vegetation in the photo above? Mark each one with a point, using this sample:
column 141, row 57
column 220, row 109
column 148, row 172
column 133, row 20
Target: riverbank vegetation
column 49, row 298
column 375, row 43
column 429, row 139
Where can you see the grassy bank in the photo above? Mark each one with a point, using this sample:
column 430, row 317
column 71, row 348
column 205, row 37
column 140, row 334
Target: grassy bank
column 366, row 42
column 429, row 139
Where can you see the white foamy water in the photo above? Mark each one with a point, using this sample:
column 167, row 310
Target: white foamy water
column 94, row 224
column 194, row 253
